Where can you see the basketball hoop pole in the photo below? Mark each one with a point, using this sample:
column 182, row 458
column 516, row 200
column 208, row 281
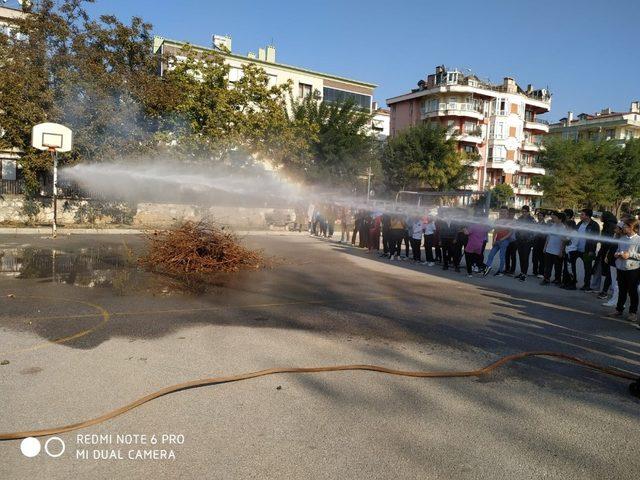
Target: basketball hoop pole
column 54, row 138
column 54, row 158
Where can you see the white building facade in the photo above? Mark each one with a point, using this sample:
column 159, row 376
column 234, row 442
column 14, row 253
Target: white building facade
column 330, row 88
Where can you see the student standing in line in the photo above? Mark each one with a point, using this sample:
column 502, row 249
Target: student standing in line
column 373, row 240
column 501, row 239
column 524, row 241
column 585, row 249
column 397, row 230
column 607, row 247
column 429, row 241
column 627, row 258
column 613, row 271
column 512, row 248
column 363, row 232
column 357, row 226
column 476, row 233
column 417, row 231
column 554, row 248
column 539, row 239
column 567, row 275
column 407, row 236
column 386, row 234
column 447, row 233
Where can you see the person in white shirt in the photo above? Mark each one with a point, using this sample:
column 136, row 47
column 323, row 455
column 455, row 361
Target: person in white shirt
column 628, row 269
column 429, row 241
column 417, row 230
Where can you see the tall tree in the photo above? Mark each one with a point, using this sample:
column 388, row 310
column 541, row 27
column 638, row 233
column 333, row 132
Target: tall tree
column 579, row 173
column 96, row 76
column 424, row 156
column 213, row 115
column 626, row 168
column 341, row 145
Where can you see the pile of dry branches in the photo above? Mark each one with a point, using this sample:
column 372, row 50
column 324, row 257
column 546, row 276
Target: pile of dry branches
column 197, row 248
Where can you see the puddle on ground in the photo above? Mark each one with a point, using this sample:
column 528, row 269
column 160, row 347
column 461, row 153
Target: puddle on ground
column 112, row 267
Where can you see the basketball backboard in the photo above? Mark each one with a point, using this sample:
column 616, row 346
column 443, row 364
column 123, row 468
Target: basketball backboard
column 51, row 136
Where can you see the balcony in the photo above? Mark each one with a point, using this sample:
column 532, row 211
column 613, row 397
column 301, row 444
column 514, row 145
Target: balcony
column 532, row 144
column 529, row 167
column 471, row 136
column 496, row 162
column 527, row 190
column 453, row 110
column 537, row 124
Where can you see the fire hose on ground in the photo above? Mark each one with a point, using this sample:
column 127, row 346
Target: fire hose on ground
column 634, row 387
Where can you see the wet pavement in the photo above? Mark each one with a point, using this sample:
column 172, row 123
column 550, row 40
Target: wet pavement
column 85, row 330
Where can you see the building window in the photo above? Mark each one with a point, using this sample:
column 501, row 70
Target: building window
column 470, row 149
column 235, row 74
column 453, row 104
column 501, row 106
column 333, row 95
column 469, row 127
column 304, row 90
column 500, row 130
column 610, row 134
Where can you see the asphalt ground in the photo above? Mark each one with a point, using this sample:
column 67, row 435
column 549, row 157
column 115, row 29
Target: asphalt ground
column 86, row 332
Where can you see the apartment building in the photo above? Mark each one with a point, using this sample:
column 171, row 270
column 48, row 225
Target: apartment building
column 605, row 125
column 330, row 88
column 380, row 121
column 497, row 124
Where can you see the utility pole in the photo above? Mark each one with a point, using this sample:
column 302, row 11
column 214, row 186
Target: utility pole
column 369, row 175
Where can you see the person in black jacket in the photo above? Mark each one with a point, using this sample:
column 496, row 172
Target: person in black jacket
column 386, row 234
column 512, row 249
column 568, row 278
column 606, row 251
column 524, row 241
column 586, row 247
column 447, row 233
column 539, row 241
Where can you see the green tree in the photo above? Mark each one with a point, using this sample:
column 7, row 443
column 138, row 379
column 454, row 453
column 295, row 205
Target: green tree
column 626, row 167
column 213, row 115
column 579, row 173
column 341, row 147
column 99, row 77
column 501, row 194
column 423, row 156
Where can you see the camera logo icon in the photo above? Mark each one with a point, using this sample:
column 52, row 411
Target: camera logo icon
column 54, row 447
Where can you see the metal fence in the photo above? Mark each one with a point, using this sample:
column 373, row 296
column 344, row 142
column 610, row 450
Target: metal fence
column 11, row 187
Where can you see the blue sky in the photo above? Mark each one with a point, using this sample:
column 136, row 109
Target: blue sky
column 586, row 51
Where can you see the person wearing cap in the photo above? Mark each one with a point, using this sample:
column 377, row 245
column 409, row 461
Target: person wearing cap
column 627, row 258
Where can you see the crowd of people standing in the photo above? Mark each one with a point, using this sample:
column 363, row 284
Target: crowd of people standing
column 550, row 243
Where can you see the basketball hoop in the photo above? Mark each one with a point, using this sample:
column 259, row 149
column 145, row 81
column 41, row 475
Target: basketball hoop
column 51, row 136
column 54, row 138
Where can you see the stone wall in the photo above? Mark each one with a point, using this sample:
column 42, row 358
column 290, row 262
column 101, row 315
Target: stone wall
column 13, row 210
